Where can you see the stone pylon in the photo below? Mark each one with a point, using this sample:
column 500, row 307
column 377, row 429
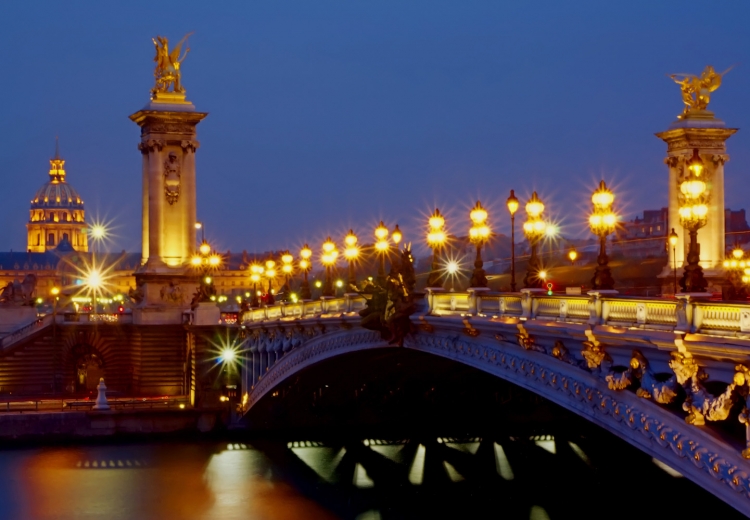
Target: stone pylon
column 707, row 134
column 168, row 145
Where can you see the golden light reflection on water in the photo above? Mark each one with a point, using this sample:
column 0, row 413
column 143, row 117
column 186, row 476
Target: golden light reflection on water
column 179, row 481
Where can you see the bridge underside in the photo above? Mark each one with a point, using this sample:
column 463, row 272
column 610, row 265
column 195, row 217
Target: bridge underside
column 702, row 454
column 387, row 420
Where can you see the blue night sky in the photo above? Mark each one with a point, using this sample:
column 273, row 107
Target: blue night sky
column 330, row 115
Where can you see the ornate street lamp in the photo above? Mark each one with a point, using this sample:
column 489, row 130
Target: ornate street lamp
column 305, row 264
column 287, row 268
column 256, row 271
column 673, row 238
column 534, row 229
column 512, row 204
column 205, row 260
column 693, row 198
column 328, row 258
column 270, row 273
column 436, row 240
column 737, row 273
column 479, row 233
column 602, row 222
column 381, row 246
column 351, row 253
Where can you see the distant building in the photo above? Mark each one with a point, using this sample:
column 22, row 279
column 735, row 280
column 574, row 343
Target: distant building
column 56, row 215
column 737, row 231
column 643, row 236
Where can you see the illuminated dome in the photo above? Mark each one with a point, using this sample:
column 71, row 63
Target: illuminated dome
column 56, row 213
column 57, row 194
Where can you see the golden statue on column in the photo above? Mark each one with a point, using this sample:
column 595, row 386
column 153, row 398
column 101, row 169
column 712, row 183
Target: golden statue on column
column 696, row 90
column 167, row 71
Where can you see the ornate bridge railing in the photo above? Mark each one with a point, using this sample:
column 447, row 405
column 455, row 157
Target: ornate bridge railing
column 686, row 313
column 323, row 308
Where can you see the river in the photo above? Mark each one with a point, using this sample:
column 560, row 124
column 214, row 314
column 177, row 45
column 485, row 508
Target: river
column 364, row 479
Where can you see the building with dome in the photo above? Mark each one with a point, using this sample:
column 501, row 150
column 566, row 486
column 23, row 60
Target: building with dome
column 57, row 217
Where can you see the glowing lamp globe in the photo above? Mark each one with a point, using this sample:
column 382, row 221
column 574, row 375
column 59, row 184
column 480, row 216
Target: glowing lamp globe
column 351, row 239
column 381, row 232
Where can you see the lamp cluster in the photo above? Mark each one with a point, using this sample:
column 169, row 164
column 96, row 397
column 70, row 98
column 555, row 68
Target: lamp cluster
column 693, row 198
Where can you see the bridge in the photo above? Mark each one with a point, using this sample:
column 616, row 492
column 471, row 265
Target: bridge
column 667, row 376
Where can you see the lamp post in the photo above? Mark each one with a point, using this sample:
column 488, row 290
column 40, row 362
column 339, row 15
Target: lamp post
column 673, row 238
column 602, row 222
column 381, row 246
column 328, row 258
column 693, row 198
column 256, row 271
column 478, row 234
column 512, row 204
column 287, row 268
column 533, row 228
column 737, row 269
column 436, row 240
column 270, row 273
column 199, row 225
column 351, row 253
column 305, row 264
column 205, row 260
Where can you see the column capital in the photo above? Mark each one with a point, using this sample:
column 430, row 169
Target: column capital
column 189, row 145
column 151, row 145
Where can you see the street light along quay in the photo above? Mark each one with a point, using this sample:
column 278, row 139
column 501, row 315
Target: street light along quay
column 305, row 264
column 256, row 271
column 534, row 229
column 287, row 268
column 381, row 247
column 602, row 222
column 479, row 233
column 512, row 204
column 693, row 198
column 328, row 258
column 572, row 256
column 270, row 273
column 436, row 240
column 351, row 253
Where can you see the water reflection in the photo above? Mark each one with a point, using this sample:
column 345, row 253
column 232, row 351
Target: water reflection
column 532, row 477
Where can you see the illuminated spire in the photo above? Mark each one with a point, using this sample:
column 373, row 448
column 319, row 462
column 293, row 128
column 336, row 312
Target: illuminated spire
column 57, row 165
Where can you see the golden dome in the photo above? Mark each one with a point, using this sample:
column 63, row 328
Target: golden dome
column 57, row 193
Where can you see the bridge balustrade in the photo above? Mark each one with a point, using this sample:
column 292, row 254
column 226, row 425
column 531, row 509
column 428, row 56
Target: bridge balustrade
column 685, row 314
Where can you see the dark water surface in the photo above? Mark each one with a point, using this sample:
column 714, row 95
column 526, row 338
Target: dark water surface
column 364, row 479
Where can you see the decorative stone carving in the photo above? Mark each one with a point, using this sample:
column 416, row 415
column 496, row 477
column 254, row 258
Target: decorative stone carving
column 19, row 293
column 527, row 341
column 172, row 178
column 560, row 352
column 172, row 293
column 662, row 391
column 594, row 355
column 699, row 402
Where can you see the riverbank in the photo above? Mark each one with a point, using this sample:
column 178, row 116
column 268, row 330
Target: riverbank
column 71, row 425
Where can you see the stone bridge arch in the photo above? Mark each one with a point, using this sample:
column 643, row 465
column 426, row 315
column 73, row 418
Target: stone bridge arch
column 277, row 352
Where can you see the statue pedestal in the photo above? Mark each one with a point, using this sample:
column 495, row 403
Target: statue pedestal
column 166, row 295
column 206, row 313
